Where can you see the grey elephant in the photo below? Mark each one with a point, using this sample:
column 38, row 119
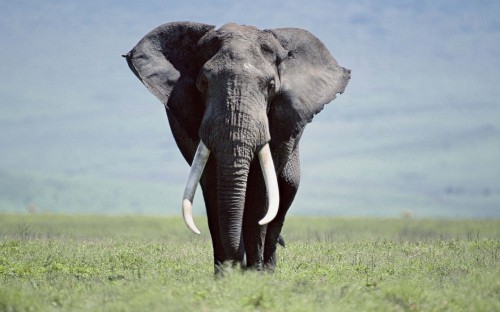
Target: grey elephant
column 237, row 100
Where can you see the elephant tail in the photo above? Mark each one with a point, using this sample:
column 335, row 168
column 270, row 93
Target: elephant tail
column 281, row 241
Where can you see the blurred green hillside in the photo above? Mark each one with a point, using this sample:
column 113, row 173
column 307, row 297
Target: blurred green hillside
column 381, row 163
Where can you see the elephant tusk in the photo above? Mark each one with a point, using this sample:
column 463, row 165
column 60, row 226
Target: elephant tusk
column 199, row 161
column 187, row 214
column 266, row 162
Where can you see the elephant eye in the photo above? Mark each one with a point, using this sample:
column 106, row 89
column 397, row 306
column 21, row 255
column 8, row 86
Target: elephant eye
column 271, row 87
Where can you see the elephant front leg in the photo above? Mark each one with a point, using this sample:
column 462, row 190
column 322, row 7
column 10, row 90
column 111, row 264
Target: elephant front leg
column 209, row 186
column 273, row 236
column 288, row 182
column 255, row 208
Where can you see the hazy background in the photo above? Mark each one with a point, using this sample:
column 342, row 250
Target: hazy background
column 417, row 130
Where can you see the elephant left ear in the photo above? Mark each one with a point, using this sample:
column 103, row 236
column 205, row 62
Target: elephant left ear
column 310, row 78
column 167, row 61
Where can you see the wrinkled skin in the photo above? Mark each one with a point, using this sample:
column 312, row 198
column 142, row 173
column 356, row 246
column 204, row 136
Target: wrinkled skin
column 236, row 89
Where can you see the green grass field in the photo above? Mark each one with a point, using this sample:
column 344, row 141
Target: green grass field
column 104, row 263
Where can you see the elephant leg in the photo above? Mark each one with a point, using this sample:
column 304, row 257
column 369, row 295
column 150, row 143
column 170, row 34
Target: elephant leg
column 288, row 182
column 209, row 186
column 255, row 203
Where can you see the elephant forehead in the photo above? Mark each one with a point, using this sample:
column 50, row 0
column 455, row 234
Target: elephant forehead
column 240, row 42
column 232, row 29
column 237, row 57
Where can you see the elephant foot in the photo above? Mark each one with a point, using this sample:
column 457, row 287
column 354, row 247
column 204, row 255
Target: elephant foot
column 228, row 267
column 270, row 259
column 270, row 264
column 256, row 267
column 270, row 268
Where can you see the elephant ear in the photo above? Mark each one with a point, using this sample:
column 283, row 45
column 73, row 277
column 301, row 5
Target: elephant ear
column 310, row 78
column 167, row 61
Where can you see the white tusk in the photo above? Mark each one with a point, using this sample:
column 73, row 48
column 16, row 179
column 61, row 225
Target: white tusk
column 187, row 214
column 267, row 165
column 199, row 161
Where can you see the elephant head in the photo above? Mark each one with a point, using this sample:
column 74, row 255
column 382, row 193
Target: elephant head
column 234, row 94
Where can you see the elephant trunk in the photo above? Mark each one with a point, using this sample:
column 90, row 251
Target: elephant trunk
column 232, row 175
column 231, row 190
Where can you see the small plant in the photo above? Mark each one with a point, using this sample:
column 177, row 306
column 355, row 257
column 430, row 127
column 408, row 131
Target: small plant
column 24, row 231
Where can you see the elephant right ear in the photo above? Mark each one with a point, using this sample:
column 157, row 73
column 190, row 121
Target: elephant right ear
column 310, row 78
column 167, row 61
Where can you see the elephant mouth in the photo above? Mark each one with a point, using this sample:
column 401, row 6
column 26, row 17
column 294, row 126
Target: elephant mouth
column 197, row 167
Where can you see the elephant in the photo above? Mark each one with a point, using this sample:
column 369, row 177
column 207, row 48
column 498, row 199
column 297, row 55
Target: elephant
column 237, row 100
